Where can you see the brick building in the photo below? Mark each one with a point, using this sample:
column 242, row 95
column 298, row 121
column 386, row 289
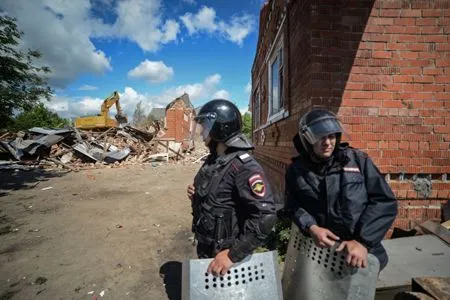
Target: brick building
column 177, row 118
column 383, row 66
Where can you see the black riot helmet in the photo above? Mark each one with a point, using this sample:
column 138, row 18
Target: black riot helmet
column 221, row 120
column 316, row 124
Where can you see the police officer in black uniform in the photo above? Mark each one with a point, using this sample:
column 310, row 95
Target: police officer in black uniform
column 335, row 192
column 233, row 206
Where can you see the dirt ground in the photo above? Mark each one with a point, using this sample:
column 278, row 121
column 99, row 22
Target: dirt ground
column 123, row 231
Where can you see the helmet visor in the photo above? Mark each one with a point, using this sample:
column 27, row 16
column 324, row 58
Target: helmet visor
column 320, row 128
column 203, row 125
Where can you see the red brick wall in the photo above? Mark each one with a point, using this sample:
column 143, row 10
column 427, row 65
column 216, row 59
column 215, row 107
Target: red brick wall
column 177, row 127
column 384, row 68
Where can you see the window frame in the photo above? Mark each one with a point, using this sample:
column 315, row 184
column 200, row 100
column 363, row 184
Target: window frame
column 277, row 53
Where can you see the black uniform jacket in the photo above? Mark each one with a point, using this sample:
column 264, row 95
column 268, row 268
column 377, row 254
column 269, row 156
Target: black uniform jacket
column 234, row 185
column 346, row 195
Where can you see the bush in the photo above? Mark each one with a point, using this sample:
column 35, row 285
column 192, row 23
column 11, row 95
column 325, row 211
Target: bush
column 38, row 116
column 279, row 238
column 247, row 125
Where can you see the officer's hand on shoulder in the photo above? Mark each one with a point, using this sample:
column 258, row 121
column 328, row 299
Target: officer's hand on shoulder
column 357, row 253
column 190, row 191
column 322, row 237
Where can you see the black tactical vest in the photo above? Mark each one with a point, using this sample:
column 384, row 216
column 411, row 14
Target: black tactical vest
column 213, row 224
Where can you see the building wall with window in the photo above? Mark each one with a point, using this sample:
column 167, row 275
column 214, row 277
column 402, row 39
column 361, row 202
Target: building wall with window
column 382, row 66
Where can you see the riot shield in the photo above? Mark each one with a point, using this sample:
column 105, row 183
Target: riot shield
column 256, row 277
column 313, row 273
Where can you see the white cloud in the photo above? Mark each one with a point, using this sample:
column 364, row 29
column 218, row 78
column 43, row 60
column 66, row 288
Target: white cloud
column 87, row 87
column 62, row 31
column 75, row 107
column 171, row 29
column 248, row 88
column 213, row 79
column 236, row 30
column 58, row 30
column 204, row 20
column 152, row 71
column 140, row 21
column 221, row 94
column 196, row 91
column 129, row 98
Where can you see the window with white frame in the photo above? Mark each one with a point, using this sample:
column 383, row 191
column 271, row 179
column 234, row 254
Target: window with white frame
column 276, row 81
column 256, row 109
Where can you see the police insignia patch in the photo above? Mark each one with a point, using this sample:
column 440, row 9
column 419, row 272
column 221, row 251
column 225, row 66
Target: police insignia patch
column 257, row 185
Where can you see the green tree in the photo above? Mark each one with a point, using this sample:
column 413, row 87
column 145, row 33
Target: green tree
column 139, row 117
column 22, row 83
column 38, row 116
column 247, row 124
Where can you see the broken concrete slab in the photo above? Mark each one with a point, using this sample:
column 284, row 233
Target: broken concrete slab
column 416, row 256
column 436, row 229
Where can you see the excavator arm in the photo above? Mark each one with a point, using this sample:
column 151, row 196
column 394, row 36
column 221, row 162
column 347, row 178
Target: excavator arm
column 103, row 120
column 110, row 101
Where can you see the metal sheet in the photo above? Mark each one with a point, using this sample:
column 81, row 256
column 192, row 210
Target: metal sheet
column 49, row 131
column 416, row 256
column 34, row 146
column 114, row 156
column 96, row 153
column 19, row 146
column 81, row 148
column 314, row 273
column 14, row 152
column 256, row 277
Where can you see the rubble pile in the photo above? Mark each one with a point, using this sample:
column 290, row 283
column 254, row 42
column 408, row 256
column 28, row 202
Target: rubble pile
column 196, row 153
column 75, row 149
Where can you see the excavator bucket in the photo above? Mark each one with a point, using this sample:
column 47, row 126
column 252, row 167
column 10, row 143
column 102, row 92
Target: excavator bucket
column 121, row 119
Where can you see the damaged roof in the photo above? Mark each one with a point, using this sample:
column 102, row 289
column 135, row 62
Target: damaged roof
column 184, row 98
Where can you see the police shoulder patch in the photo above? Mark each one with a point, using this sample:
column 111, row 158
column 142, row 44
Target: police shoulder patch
column 257, row 185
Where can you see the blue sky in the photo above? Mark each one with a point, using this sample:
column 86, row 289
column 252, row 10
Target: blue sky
column 148, row 50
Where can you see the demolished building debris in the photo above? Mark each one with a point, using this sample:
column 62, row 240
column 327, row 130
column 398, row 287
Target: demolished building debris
column 75, row 149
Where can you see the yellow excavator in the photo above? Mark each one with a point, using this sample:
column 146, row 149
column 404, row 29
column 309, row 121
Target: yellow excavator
column 103, row 120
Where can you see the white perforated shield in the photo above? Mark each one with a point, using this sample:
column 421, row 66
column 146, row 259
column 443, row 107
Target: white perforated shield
column 312, row 273
column 256, row 277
